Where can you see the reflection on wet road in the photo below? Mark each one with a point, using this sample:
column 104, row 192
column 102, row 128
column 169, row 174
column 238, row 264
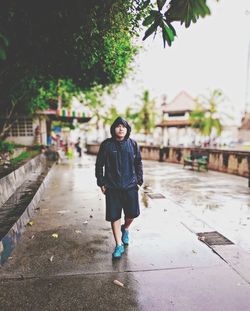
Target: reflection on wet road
column 221, row 200
column 64, row 258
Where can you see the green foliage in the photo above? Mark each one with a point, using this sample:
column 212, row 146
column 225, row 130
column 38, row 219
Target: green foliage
column 163, row 16
column 110, row 115
column 144, row 119
column 36, row 147
column 131, row 115
column 93, row 97
column 118, row 51
column 54, row 49
column 59, row 48
column 3, row 47
column 64, row 124
column 24, row 156
column 6, row 147
column 205, row 117
column 72, row 41
column 49, row 94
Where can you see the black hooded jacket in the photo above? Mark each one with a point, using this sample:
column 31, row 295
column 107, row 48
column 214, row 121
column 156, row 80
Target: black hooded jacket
column 118, row 163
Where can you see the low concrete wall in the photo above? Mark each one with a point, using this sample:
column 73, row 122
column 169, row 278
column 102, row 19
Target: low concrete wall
column 11, row 182
column 6, row 156
column 10, row 239
column 226, row 161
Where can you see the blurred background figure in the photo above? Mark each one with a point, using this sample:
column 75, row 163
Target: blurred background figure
column 78, row 147
column 70, row 152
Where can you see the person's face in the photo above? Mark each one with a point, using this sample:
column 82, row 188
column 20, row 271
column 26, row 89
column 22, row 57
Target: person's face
column 120, row 131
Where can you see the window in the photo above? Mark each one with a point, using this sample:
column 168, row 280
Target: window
column 22, row 127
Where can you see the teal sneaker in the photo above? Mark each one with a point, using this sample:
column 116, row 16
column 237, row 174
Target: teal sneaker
column 119, row 250
column 125, row 238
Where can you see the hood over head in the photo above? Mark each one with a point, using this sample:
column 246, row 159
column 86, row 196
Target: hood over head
column 118, row 121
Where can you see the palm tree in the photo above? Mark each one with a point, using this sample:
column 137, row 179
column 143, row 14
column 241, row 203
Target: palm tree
column 111, row 114
column 94, row 101
column 205, row 118
column 108, row 118
column 131, row 115
column 145, row 119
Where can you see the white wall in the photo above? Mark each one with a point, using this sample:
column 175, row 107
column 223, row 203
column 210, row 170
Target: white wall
column 30, row 140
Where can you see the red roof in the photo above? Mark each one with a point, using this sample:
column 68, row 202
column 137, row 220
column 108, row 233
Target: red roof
column 181, row 103
column 175, row 123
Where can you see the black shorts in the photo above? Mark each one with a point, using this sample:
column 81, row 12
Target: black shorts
column 118, row 200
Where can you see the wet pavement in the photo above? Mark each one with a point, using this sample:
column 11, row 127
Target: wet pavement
column 63, row 261
column 16, row 212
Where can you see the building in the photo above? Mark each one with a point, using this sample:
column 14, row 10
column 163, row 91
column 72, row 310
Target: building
column 175, row 123
column 244, row 129
column 38, row 128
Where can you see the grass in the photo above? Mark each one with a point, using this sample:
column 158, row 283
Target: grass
column 23, row 156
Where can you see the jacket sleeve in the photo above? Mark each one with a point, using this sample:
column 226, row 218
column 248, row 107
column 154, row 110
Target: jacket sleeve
column 138, row 166
column 99, row 166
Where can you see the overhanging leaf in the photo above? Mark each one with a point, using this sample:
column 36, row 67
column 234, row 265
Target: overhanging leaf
column 150, row 30
column 166, row 37
column 170, row 33
column 155, row 13
column 160, row 4
column 2, row 54
column 148, row 20
column 4, row 40
column 145, row 4
column 187, row 11
column 172, row 28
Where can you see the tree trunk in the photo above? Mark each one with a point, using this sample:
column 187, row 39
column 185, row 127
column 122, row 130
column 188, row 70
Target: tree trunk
column 7, row 119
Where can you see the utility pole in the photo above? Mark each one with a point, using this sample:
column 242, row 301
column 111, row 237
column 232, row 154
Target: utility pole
column 247, row 100
column 247, row 103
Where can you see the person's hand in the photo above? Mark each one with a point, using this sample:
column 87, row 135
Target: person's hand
column 103, row 188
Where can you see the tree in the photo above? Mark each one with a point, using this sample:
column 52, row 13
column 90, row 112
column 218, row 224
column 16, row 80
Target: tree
column 145, row 118
column 157, row 14
column 205, row 118
column 86, row 42
column 130, row 114
column 110, row 115
column 93, row 98
column 3, row 47
column 45, row 97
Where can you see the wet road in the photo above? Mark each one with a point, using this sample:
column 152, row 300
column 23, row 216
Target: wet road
column 221, row 200
column 63, row 261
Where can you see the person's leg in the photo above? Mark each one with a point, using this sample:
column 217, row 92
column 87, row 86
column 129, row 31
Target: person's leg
column 119, row 249
column 131, row 210
column 124, row 230
column 116, row 227
column 113, row 211
column 127, row 222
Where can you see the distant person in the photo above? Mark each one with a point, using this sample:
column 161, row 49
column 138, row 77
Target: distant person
column 51, row 153
column 70, row 153
column 78, row 147
column 120, row 158
column 38, row 135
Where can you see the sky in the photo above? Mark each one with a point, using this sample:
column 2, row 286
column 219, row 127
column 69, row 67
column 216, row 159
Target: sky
column 210, row 54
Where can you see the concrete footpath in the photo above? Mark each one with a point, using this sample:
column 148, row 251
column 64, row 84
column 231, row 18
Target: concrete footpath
column 63, row 260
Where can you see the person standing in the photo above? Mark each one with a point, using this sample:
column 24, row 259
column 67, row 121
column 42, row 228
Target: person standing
column 118, row 170
column 78, row 147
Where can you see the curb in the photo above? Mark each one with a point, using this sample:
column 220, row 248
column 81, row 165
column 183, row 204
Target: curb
column 8, row 242
column 10, row 182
